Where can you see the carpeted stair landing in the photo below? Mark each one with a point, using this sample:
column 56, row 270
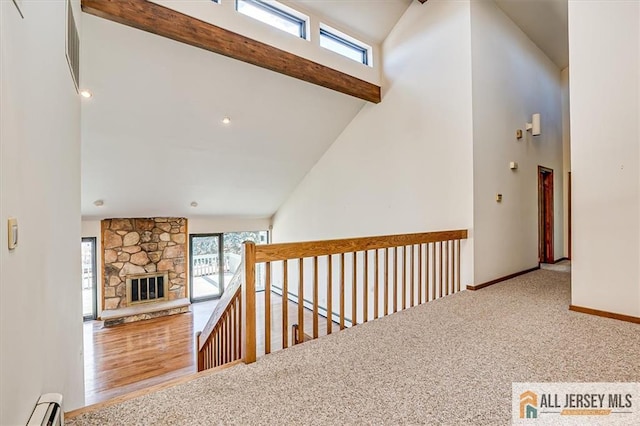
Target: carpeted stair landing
column 449, row 362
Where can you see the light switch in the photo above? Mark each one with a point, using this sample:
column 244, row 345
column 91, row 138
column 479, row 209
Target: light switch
column 12, row 232
column 499, row 198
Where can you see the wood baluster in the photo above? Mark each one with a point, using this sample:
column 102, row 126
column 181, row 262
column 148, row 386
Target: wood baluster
column 365, row 288
column 434, row 285
column 315, row 297
column 458, row 266
column 249, row 302
column 239, row 303
column 440, row 270
column 452, row 254
column 231, row 332
column 225, row 339
column 420, row 274
column 411, row 270
column 329, row 293
column 267, row 309
column 395, row 280
column 446, row 267
column 342, row 289
column 354, row 294
column 229, row 338
column 386, row 282
column 404, row 277
column 285, row 305
column 301, row 299
column 375, row 286
column 199, row 352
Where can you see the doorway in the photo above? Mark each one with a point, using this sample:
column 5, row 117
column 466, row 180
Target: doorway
column 206, row 268
column 545, row 214
column 89, row 279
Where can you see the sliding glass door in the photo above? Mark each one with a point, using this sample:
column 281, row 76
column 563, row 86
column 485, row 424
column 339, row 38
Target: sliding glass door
column 89, row 279
column 215, row 258
column 207, row 269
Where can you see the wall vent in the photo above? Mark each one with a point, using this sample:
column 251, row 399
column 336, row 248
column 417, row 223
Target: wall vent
column 73, row 46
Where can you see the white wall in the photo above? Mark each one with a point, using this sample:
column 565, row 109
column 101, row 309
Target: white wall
column 40, row 299
column 404, row 165
column 566, row 153
column 213, row 224
column 512, row 79
column 604, row 45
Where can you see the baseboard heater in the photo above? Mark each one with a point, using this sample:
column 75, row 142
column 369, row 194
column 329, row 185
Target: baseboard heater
column 48, row 411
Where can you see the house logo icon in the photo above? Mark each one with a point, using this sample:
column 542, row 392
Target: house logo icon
column 528, row 405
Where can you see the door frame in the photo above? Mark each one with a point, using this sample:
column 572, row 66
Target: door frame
column 569, row 214
column 545, row 233
column 94, row 295
column 220, row 267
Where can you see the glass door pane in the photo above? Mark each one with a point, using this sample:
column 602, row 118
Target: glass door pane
column 89, row 297
column 206, row 267
column 233, row 254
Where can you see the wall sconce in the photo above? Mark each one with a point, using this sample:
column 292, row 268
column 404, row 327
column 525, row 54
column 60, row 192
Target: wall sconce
column 534, row 126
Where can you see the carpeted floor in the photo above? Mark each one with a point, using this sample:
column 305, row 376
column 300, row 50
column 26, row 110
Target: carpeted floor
column 447, row 362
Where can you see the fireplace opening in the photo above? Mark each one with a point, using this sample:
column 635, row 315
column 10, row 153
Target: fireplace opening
column 144, row 288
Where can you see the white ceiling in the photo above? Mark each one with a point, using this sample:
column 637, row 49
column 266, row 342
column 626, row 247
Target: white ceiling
column 546, row 24
column 152, row 137
column 372, row 19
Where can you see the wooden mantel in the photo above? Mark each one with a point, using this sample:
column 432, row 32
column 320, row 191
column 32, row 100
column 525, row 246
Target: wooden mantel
column 165, row 22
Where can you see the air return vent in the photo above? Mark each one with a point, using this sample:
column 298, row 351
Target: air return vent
column 73, row 46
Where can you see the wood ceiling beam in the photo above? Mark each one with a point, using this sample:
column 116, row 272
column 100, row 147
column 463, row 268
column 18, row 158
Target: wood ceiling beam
column 165, row 22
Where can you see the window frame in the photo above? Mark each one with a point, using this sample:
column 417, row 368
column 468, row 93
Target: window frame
column 278, row 12
column 348, row 42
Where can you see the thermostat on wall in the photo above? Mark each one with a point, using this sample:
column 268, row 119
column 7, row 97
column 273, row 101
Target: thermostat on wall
column 12, row 232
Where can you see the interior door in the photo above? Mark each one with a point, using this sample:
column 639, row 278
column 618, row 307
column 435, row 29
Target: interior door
column 89, row 279
column 545, row 211
column 207, row 267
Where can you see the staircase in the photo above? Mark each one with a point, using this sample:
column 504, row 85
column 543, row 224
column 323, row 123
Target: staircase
column 342, row 282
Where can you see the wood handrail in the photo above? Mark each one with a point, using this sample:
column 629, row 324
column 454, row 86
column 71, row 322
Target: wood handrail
column 228, row 296
column 284, row 251
column 396, row 277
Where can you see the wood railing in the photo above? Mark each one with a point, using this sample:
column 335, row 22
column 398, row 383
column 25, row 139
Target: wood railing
column 220, row 340
column 341, row 283
column 349, row 281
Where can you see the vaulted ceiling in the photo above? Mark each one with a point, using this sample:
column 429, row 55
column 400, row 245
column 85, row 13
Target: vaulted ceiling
column 546, row 24
column 153, row 140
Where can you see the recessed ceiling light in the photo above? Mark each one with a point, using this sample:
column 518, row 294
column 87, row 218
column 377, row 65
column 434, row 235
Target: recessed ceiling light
column 98, row 203
column 194, row 204
column 86, row 94
column 226, row 120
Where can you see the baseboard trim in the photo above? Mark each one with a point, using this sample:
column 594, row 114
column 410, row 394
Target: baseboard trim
column 605, row 314
column 561, row 259
column 135, row 394
column 498, row 280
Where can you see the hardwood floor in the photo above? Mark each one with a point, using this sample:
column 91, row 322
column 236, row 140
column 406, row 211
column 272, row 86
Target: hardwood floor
column 134, row 356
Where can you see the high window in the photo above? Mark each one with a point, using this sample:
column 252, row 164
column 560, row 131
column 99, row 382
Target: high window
column 274, row 14
column 344, row 45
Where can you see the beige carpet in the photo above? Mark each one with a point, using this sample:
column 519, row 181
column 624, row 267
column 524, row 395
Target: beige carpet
column 447, row 362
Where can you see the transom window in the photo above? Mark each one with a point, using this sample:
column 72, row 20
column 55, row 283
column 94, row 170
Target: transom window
column 274, row 14
column 344, row 45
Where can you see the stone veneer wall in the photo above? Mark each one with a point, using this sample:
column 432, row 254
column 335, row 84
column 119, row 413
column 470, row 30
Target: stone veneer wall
column 141, row 245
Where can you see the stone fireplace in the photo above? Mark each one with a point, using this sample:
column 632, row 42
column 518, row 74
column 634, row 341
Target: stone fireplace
column 144, row 268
